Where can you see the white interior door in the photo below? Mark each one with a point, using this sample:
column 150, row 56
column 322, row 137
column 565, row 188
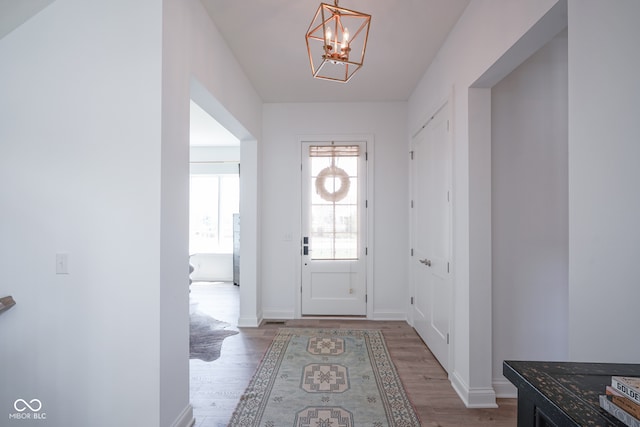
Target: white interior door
column 333, row 254
column 431, row 231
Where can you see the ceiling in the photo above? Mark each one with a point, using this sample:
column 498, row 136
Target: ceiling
column 267, row 38
column 15, row 13
column 204, row 130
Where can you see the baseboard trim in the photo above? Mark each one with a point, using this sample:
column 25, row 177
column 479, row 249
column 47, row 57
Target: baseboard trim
column 278, row 315
column 286, row 315
column 185, row 419
column 504, row 389
column 477, row 397
column 249, row 322
column 390, row 315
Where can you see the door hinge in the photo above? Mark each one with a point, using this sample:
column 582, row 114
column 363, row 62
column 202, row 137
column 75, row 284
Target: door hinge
column 366, row 156
column 366, row 297
column 366, row 251
column 448, row 196
column 411, row 154
column 411, row 251
column 411, row 300
column 412, row 204
column 300, row 289
column 447, row 125
column 447, row 337
column 366, row 204
column 447, row 267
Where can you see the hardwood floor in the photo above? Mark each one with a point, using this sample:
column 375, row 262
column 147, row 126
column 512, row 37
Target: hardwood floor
column 217, row 386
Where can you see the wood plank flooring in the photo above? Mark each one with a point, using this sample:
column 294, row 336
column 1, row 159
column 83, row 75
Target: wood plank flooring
column 217, row 386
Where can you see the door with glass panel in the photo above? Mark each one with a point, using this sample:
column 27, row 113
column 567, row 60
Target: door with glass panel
column 333, row 252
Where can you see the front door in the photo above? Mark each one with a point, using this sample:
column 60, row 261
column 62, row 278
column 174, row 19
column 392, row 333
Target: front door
column 333, row 253
column 431, row 234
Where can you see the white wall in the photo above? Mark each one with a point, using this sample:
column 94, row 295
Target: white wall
column 212, row 267
column 94, row 163
column 220, row 87
column 529, row 208
column 489, row 32
column 175, row 409
column 604, row 199
column 80, row 173
column 191, row 47
column 217, row 156
column 283, row 125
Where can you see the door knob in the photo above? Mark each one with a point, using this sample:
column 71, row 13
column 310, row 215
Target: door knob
column 426, row 262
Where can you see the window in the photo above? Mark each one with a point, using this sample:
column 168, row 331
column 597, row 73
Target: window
column 334, row 202
column 213, row 199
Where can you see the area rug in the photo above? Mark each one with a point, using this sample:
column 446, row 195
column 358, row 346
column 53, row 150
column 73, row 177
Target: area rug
column 325, row 378
column 205, row 337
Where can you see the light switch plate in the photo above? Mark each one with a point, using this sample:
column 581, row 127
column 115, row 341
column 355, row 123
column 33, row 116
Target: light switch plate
column 62, row 263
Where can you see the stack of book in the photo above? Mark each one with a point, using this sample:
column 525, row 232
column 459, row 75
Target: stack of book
column 622, row 400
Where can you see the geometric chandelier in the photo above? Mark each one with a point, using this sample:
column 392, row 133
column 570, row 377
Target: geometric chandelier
column 336, row 42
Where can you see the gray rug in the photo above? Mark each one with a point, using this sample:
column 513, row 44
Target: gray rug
column 206, row 336
column 326, row 378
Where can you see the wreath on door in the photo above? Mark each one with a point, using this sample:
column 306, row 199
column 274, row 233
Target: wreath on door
column 333, row 172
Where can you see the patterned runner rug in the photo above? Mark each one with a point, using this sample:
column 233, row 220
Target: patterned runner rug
column 325, row 378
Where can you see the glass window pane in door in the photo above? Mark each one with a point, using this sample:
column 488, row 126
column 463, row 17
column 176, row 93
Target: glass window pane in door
column 334, row 205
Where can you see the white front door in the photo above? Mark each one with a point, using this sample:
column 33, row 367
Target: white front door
column 333, row 254
column 431, row 234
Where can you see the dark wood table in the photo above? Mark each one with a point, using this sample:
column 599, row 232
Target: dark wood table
column 564, row 393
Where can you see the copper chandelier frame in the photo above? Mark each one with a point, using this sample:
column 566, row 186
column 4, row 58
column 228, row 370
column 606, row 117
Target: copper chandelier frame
column 337, row 42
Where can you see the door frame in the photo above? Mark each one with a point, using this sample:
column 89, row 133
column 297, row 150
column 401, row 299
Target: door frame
column 444, row 104
column 369, row 217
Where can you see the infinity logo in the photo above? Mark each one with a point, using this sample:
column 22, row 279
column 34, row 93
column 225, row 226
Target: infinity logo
column 21, row 405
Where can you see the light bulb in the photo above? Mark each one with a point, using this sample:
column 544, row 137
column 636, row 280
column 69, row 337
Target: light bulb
column 345, row 38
